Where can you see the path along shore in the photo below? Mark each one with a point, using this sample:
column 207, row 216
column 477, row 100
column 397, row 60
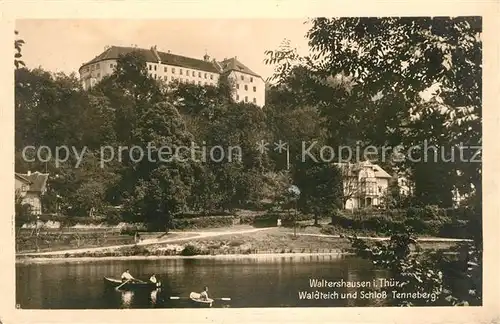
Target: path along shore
column 205, row 235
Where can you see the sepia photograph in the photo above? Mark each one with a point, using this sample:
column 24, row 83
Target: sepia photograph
column 319, row 162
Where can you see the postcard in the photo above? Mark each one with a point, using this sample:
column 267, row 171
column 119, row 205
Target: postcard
column 316, row 166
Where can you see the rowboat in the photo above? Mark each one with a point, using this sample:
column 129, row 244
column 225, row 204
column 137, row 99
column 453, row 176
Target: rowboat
column 115, row 283
column 198, row 301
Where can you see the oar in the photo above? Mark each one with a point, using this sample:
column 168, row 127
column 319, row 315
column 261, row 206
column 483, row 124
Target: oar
column 122, row 284
column 177, row 297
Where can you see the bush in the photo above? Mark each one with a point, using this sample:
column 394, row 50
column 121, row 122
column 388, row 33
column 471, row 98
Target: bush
column 190, row 250
column 202, row 222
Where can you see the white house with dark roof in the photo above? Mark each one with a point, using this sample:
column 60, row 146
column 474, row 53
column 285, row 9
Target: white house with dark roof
column 168, row 67
column 31, row 187
column 365, row 184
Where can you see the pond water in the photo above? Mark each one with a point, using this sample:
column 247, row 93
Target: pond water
column 253, row 281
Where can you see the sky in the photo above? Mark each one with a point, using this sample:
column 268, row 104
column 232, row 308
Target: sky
column 64, row 45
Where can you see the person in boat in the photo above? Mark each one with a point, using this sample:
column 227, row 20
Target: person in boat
column 126, row 276
column 204, row 294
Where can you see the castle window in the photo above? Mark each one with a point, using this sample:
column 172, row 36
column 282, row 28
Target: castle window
column 246, row 87
column 251, row 79
column 254, row 89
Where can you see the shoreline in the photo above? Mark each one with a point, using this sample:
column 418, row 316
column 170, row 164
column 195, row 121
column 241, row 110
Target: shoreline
column 28, row 260
column 21, row 259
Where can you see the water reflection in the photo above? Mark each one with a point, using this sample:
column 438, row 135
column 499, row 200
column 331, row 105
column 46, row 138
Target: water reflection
column 127, row 297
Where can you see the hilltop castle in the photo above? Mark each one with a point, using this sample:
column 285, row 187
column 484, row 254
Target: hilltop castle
column 249, row 86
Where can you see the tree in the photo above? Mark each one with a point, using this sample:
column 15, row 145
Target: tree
column 389, row 63
column 18, row 43
column 321, row 188
column 158, row 187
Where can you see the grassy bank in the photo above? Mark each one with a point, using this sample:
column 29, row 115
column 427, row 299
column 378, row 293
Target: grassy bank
column 273, row 241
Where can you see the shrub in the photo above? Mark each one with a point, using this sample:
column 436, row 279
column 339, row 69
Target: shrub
column 190, row 250
column 202, row 222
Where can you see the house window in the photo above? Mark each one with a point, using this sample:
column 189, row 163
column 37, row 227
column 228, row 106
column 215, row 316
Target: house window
column 251, row 79
column 205, row 75
column 211, row 76
column 155, row 67
column 165, row 77
column 237, row 86
column 150, row 67
column 242, row 78
column 180, row 71
column 379, row 189
column 246, row 87
column 97, row 66
column 172, row 78
column 165, row 69
column 199, row 74
column 194, row 73
column 111, row 65
column 187, row 72
column 155, row 76
column 246, row 99
column 237, row 97
column 254, row 89
column 173, row 70
column 254, row 100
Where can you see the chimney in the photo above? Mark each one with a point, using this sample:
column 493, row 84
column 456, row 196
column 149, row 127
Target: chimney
column 206, row 58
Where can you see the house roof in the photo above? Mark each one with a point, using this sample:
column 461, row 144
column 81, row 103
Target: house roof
column 233, row 64
column 353, row 168
column 114, row 52
column 38, row 181
column 187, row 62
column 380, row 173
column 22, row 178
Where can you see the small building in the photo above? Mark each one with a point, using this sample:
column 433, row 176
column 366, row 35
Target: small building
column 365, row 184
column 31, row 187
